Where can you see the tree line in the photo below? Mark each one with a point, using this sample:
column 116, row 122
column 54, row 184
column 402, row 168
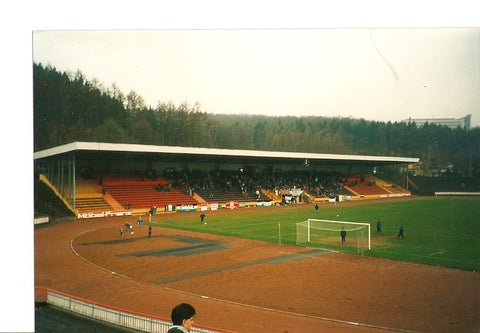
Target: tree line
column 68, row 107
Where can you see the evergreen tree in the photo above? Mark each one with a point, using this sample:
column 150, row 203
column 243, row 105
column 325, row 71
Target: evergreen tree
column 68, row 107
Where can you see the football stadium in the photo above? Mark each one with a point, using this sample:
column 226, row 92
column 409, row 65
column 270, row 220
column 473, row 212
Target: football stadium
column 256, row 241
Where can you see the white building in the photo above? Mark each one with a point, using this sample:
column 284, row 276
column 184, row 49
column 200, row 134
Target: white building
column 449, row 122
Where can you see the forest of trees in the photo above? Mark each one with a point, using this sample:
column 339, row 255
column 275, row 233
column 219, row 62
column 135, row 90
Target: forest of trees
column 68, row 107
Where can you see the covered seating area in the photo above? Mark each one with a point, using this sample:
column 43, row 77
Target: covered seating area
column 93, row 177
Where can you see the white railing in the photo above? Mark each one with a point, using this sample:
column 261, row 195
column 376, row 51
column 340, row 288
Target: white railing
column 115, row 316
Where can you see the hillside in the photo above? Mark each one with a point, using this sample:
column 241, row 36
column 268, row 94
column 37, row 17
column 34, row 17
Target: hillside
column 68, row 107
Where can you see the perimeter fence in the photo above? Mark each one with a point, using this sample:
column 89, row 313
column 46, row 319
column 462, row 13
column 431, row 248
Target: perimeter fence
column 109, row 314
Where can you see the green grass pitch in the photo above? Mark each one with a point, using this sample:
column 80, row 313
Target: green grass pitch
column 438, row 231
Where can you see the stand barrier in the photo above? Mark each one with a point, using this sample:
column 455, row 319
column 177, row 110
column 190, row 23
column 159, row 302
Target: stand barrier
column 111, row 314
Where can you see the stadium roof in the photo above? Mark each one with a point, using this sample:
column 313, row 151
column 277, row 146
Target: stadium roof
column 103, row 150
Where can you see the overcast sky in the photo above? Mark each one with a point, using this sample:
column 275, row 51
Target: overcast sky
column 375, row 74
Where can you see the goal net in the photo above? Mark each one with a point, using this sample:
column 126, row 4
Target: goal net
column 317, row 232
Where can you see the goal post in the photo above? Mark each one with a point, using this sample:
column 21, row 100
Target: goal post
column 322, row 231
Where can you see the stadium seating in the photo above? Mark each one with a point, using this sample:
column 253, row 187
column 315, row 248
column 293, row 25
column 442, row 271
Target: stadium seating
column 135, row 196
column 138, row 194
column 234, row 194
column 364, row 186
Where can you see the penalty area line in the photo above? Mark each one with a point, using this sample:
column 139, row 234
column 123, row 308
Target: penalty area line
column 351, row 323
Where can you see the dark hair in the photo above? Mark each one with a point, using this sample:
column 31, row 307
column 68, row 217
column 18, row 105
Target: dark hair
column 181, row 312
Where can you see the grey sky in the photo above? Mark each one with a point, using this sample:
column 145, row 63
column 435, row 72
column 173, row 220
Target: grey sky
column 375, row 74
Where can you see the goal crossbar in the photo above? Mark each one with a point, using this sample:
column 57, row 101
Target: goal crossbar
column 358, row 226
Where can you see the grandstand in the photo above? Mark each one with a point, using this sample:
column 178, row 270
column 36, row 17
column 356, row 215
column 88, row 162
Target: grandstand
column 117, row 179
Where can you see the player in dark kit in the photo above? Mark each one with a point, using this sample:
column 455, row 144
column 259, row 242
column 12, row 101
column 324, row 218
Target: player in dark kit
column 343, row 234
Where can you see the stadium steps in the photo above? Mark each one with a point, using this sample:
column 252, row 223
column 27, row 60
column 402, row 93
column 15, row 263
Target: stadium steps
column 89, row 198
column 387, row 186
column 85, row 188
column 355, row 193
column 271, row 195
column 198, row 198
column 92, row 205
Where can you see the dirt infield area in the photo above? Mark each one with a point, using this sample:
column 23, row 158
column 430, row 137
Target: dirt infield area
column 251, row 286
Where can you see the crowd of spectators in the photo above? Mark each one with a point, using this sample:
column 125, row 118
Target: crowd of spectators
column 296, row 183
column 320, row 184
